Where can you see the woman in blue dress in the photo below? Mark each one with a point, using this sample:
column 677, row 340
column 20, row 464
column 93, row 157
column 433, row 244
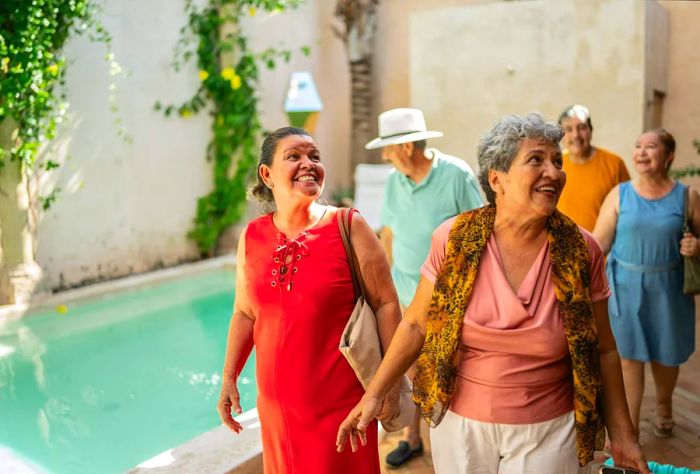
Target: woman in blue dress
column 641, row 225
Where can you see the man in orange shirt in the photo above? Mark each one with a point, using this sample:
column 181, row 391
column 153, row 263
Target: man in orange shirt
column 591, row 172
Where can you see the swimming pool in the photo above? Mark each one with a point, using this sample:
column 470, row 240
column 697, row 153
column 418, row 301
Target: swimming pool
column 101, row 385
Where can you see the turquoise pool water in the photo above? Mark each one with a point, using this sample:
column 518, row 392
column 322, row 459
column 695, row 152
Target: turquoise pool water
column 112, row 382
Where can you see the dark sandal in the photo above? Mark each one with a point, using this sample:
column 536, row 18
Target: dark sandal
column 664, row 428
column 399, row 456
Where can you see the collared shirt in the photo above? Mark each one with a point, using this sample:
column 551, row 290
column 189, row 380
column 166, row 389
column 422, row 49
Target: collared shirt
column 413, row 211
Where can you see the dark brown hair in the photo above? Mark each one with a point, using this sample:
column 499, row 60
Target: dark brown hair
column 259, row 189
column 666, row 139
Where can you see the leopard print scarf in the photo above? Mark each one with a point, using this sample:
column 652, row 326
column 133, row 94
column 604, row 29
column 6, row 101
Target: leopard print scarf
column 437, row 364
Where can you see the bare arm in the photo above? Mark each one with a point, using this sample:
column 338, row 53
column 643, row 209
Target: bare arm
column 604, row 231
column 407, row 343
column 381, row 294
column 386, row 238
column 238, row 346
column 623, row 439
column 403, row 351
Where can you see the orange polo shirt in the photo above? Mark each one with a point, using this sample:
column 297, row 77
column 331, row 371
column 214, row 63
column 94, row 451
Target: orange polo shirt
column 587, row 185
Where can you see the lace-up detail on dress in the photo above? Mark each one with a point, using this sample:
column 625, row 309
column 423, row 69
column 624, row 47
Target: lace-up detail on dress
column 287, row 253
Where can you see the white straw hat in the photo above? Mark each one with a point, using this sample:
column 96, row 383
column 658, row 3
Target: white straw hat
column 401, row 126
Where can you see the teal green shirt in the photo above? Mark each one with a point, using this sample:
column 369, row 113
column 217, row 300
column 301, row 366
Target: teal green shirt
column 413, row 211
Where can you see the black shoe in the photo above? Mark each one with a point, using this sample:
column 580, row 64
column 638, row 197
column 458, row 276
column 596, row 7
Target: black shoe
column 399, row 456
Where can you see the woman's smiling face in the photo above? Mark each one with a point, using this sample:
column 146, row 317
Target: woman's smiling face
column 535, row 179
column 296, row 171
column 650, row 156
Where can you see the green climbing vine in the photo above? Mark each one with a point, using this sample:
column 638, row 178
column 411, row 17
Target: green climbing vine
column 687, row 171
column 32, row 69
column 214, row 36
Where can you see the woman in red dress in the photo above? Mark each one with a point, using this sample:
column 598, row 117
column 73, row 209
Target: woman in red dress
column 294, row 295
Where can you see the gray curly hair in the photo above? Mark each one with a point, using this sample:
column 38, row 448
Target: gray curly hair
column 498, row 147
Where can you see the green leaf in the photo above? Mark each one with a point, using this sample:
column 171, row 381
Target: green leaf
column 235, row 117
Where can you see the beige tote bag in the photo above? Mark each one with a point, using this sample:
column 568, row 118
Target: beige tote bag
column 360, row 341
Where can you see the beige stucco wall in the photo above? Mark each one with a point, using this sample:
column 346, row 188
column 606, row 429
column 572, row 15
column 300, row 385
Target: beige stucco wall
column 616, row 127
column 656, row 63
column 126, row 207
column 681, row 109
column 543, row 56
column 392, row 57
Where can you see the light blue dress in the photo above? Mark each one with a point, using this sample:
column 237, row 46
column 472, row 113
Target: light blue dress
column 651, row 317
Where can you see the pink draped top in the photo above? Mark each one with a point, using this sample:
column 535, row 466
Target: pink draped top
column 514, row 361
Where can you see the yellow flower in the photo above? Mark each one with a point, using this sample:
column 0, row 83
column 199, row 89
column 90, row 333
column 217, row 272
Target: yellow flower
column 3, row 64
column 184, row 113
column 53, row 69
column 228, row 73
column 203, row 75
column 236, row 82
column 61, row 309
column 252, row 11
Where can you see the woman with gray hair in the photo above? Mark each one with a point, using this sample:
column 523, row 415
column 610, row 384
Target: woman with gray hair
column 517, row 366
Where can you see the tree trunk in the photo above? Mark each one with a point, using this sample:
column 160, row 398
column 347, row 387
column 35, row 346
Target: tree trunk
column 361, row 102
column 19, row 272
column 358, row 18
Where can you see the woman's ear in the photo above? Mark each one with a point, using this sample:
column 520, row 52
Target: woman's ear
column 669, row 160
column 495, row 181
column 264, row 172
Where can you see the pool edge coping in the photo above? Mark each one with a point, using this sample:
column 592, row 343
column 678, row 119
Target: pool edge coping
column 16, row 311
column 217, row 451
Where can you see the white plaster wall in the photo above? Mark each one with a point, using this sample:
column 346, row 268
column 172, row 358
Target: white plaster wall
column 126, row 207
column 471, row 65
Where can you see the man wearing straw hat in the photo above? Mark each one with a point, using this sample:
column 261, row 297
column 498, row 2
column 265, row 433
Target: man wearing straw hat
column 426, row 188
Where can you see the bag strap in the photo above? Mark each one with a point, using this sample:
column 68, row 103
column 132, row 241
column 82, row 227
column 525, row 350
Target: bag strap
column 686, row 210
column 344, row 227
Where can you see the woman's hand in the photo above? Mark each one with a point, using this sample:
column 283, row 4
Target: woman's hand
column 628, row 453
column 689, row 245
column 228, row 399
column 390, row 405
column 355, row 425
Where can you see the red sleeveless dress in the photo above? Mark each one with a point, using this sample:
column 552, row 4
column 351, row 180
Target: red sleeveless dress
column 301, row 294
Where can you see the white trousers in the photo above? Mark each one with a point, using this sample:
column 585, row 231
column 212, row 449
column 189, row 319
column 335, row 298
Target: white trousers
column 463, row 446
